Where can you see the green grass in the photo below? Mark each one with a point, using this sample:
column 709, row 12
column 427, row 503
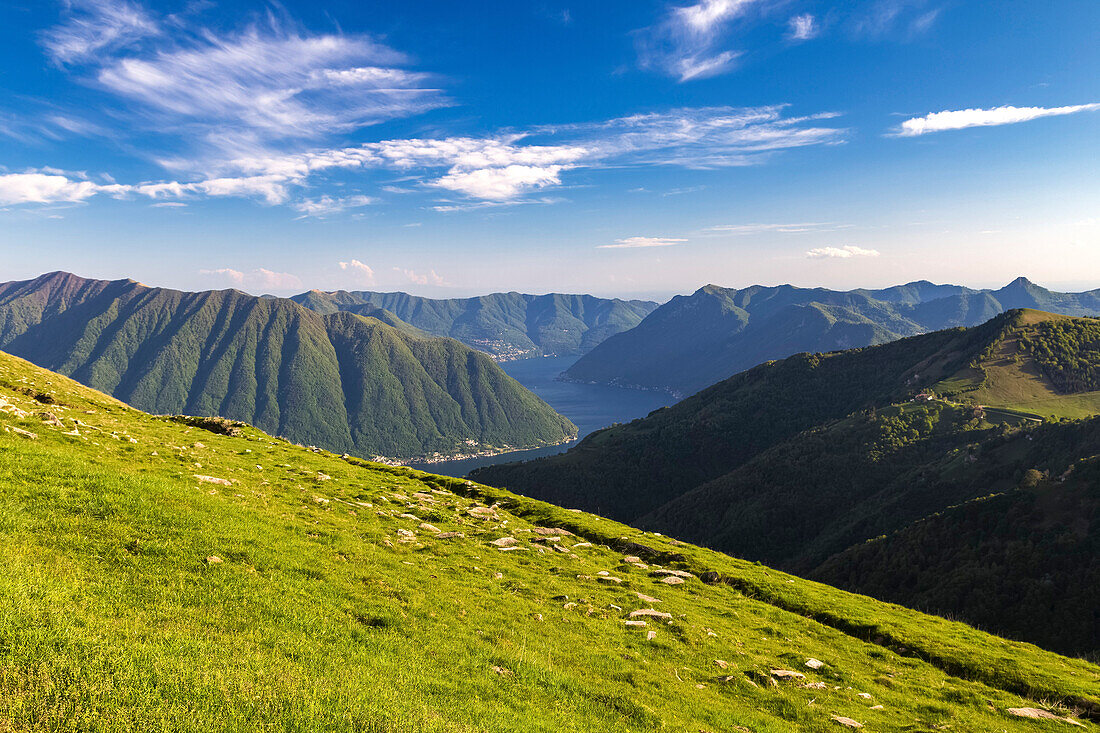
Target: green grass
column 1009, row 376
column 321, row 617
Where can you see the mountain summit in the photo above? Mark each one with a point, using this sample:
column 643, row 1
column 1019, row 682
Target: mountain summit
column 694, row 341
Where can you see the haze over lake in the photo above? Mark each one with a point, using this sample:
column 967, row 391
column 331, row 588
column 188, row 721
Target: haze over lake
column 589, row 406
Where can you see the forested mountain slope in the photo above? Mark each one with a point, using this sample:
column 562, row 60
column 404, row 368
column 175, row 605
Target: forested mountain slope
column 504, row 325
column 695, row 341
column 194, row 575
column 874, row 464
column 347, row 382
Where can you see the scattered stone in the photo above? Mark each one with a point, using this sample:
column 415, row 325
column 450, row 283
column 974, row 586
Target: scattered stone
column 450, row 535
column 552, row 532
column 559, row 548
column 1038, row 714
column 51, row 419
column 23, row 433
column 424, row 497
column 513, row 549
column 651, row 613
column 405, row 533
column 722, row 664
column 647, row 599
column 582, row 544
column 603, row 572
column 864, row 695
column 323, row 476
column 634, row 623
column 569, row 605
column 213, row 480
column 877, row 707
column 322, row 500
column 787, row 674
column 650, row 635
column 816, row 686
column 710, row 577
column 814, row 663
column 499, row 576
column 632, row 559
column 198, row 445
column 671, row 580
column 406, row 515
column 430, row 528
column 504, row 542
column 482, row 512
column 846, row 721
column 560, row 598
column 664, row 572
column 213, row 560
column 538, row 617
column 609, row 579
column 502, row 671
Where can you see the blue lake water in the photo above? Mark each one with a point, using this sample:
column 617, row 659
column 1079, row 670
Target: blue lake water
column 589, row 406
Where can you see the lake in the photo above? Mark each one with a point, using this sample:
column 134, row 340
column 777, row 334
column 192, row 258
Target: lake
column 589, row 406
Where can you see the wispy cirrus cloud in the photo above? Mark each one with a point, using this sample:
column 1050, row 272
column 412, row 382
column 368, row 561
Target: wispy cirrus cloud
column 963, row 118
column 841, row 253
column 685, row 43
column 504, row 168
column 758, row 228
column 248, row 90
column 330, row 205
column 95, row 27
column 802, row 27
column 642, row 243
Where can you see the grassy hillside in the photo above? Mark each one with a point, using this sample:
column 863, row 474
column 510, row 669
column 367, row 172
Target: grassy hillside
column 800, row 462
column 346, row 382
column 695, row 341
column 162, row 575
column 1047, row 365
column 504, row 325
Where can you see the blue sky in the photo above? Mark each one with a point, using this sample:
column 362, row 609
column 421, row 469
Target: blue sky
column 609, row 147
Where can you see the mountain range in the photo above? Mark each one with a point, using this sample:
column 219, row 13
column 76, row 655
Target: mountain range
column 954, row 471
column 503, row 325
column 366, row 383
column 194, row 574
column 697, row 340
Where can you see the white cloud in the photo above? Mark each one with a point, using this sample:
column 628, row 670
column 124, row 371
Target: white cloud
column 259, row 278
column 237, row 92
column 846, row 252
column 684, row 43
column 422, row 278
column 498, row 184
column 327, row 205
column 960, row 119
column 362, row 270
column 641, row 242
column 50, row 188
column 95, row 26
column 271, row 188
column 802, row 27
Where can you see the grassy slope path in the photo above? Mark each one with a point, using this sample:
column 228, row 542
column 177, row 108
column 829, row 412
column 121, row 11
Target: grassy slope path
column 302, row 591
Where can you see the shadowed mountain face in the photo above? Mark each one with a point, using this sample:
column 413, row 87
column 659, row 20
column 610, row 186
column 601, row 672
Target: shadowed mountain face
column 697, row 340
column 833, row 466
column 365, row 384
column 504, row 325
